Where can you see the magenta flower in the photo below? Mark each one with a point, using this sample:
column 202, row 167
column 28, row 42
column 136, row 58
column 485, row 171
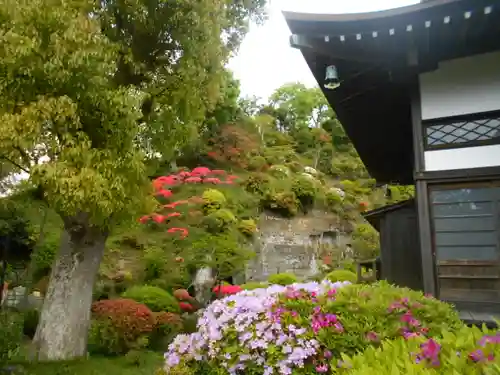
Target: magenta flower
column 322, row 368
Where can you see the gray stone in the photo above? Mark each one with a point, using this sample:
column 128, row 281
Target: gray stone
column 295, row 245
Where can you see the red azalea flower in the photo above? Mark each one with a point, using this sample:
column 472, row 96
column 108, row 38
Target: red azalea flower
column 186, row 307
column 212, row 180
column 200, row 171
column 182, row 294
column 164, row 180
column 165, row 193
column 184, row 174
column 211, row 154
column 232, row 177
column 227, row 289
column 184, row 232
column 143, row 219
column 158, row 218
column 174, row 214
column 193, row 180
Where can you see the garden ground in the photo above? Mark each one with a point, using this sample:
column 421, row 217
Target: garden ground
column 145, row 363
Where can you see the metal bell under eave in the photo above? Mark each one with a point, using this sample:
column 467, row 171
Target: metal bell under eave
column 332, row 80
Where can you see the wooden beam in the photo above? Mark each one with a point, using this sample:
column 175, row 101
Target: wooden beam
column 338, row 51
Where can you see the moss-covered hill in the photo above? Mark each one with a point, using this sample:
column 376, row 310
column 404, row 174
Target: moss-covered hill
column 288, row 157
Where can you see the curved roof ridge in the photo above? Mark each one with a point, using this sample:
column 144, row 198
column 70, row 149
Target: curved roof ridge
column 349, row 17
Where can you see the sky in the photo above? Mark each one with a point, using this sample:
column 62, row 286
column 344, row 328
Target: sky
column 266, row 61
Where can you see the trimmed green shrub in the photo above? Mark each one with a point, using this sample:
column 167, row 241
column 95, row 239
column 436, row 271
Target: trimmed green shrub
column 257, row 163
column 283, row 202
column 306, row 190
column 282, row 279
column 365, row 241
column 257, row 183
column 342, row 275
column 11, row 334
column 213, row 200
column 247, row 227
column 155, row 298
column 468, row 351
column 279, row 171
column 333, row 200
column 254, row 285
column 220, row 220
column 154, row 263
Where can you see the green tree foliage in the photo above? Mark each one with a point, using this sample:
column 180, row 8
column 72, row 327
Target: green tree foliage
column 298, row 106
column 86, row 89
column 175, row 53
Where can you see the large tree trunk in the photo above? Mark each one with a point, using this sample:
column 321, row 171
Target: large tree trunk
column 65, row 317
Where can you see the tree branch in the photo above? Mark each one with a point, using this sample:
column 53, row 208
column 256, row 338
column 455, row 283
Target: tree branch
column 14, row 164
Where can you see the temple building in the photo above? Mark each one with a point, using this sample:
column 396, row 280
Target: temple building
column 417, row 90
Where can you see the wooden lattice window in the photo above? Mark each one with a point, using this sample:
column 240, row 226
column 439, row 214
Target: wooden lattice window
column 463, row 131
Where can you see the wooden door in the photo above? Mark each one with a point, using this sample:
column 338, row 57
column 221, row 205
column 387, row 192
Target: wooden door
column 466, row 239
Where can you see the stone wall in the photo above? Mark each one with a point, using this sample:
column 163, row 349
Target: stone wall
column 292, row 245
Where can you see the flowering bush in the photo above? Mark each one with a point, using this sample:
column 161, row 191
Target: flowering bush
column 226, row 290
column 233, row 145
column 468, row 351
column 120, row 325
column 240, row 332
column 302, row 328
column 155, row 298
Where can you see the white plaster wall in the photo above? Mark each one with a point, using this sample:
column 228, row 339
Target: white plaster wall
column 462, row 158
column 462, row 86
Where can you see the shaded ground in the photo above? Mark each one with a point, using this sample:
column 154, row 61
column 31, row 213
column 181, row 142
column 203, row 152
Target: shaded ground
column 146, row 363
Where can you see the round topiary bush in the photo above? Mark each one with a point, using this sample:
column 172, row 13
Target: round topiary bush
column 119, row 325
column 306, row 190
column 468, row 351
column 342, row 275
column 305, row 328
column 213, row 200
column 254, row 285
column 282, row 279
column 220, row 220
column 247, row 227
column 157, row 299
column 279, row 171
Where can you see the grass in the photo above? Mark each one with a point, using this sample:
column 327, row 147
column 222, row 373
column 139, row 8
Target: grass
column 141, row 363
